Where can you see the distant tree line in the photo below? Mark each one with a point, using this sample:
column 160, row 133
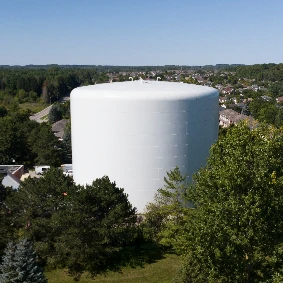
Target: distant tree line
column 30, row 84
column 261, row 72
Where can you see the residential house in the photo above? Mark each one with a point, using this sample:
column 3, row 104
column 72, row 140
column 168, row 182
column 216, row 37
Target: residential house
column 58, row 128
column 12, row 175
column 227, row 90
column 227, row 117
column 279, row 99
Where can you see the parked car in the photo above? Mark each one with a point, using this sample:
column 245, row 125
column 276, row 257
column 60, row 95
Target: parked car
column 39, row 170
column 68, row 172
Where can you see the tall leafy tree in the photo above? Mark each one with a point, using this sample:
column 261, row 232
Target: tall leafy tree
column 82, row 228
column 13, row 144
column 235, row 233
column 268, row 114
column 99, row 223
column 35, row 206
column 44, row 146
column 45, row 95
column 16, row 129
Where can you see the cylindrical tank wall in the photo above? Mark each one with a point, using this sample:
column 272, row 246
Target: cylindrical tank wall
column 136, row 140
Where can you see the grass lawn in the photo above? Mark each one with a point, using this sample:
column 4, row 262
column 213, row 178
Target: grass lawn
column 33, row 107
column 162, row 270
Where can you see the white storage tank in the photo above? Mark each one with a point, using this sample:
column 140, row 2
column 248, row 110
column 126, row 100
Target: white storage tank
column 136, row 131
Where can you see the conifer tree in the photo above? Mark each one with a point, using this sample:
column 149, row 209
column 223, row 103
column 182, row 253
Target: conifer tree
column 67, row 144
column 7, row 270
column 55, row 113
column 6, row 225
column 19, row 264
column 168, row 212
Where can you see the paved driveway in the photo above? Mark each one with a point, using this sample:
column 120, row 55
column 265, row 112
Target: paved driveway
column 38, row 116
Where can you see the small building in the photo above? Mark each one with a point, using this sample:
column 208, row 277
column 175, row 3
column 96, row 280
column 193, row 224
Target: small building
column 222, row 99
column 227, row 90
column 227, row 117
column 279, row 99
column 12, row 175
column 58, row 128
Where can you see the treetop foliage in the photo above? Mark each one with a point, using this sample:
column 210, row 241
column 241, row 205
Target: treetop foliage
column 50, row 83
column 7, row 230
column 27, row 142
column 83, row 228
column 166, row 215
column 55, row 114
column 235, row 230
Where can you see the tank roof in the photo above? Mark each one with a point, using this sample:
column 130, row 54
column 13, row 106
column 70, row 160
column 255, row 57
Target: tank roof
column 142, row 89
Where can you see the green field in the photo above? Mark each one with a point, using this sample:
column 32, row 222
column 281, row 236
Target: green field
column 33, row 107
column 162, row 270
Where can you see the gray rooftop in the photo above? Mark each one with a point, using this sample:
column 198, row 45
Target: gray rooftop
column 59, row 125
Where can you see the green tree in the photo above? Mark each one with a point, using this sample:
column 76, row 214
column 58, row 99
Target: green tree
column 55, row 113
column 20, row 264
column 45, row 95
column 67, row 144
column 81, row 228
column 7, row 230
column 65, row 109
column 268, row 114
column 44, row 146
column 22, row 94
column 3, row 111
column 279, row 118
column 235, row 232
column 276, row 89
column 100, row 222
column 35, row 207
column 12, row 141
column 166, row 215
column 32, row 96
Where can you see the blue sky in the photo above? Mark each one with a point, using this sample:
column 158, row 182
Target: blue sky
column 148, row 32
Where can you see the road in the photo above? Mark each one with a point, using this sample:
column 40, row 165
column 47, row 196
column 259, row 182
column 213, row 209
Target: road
column 38, row 116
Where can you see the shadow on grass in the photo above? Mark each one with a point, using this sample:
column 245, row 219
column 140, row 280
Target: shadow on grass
column 136, row 256
column 145, row 254
column 131, row 256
